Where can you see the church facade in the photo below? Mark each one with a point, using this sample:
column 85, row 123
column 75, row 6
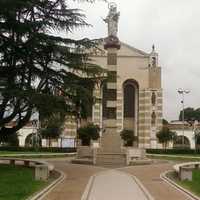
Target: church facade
column 139, row 94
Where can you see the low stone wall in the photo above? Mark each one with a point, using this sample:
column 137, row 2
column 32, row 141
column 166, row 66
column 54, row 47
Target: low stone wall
column 134, row 153
column 84, row 152
column 42, row 169
column 185, row 170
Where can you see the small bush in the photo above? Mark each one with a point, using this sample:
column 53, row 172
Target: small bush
column 173, row 151
column 8, row 139
column 88, row 133
column 128, row 137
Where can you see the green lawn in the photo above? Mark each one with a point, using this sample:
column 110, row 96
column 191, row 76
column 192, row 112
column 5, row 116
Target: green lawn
column 194, row 185
column 16, row 152
column 178, row 159
column 31, row 154
column 17, row 183
column 25, row 152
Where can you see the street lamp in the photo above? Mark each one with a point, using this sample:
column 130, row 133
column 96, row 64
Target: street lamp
column 182, row 92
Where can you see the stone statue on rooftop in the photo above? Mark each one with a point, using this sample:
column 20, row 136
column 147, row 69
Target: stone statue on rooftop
column 112, row 20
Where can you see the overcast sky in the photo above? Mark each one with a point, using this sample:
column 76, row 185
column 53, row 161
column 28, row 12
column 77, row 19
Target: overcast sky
column 173, row 26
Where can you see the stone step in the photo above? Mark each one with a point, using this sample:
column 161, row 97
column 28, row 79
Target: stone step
column 101, row 162
column 111, row 158
column 82, row 161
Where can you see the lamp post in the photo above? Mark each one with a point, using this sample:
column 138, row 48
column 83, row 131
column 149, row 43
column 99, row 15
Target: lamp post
column 182, row 92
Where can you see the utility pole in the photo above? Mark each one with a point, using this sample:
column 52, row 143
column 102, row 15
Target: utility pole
column 182, row 92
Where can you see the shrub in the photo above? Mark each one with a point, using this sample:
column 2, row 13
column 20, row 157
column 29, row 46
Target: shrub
column 8, row 139
column 41, row 149
column 88, row 133
column 128, row 137
column 173, row 151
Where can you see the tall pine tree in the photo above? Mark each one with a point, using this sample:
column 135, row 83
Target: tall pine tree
column 39, row 70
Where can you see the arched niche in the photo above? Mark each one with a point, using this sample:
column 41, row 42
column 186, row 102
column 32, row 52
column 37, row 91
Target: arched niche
column 31, row 139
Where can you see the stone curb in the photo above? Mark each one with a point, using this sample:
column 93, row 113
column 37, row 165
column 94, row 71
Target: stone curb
column 178, row 187
column 88, row 188
column 145, row 191
column 39, row 154
column 139, row 183
column 45, row 191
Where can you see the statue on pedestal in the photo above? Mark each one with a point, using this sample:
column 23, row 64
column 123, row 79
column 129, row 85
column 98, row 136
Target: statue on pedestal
column 112, row 20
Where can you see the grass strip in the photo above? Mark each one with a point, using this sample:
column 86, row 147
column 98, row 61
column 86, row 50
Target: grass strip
column 18, row 183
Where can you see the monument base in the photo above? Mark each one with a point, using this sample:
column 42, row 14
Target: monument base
column 124, row 156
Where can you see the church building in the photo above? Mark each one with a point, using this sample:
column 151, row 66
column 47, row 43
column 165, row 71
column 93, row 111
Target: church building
column 139, row 93
column 132, row 98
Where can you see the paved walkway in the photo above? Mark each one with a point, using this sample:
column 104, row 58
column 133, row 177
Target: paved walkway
column 114, row 185
column 149, row 176
column 77, row 177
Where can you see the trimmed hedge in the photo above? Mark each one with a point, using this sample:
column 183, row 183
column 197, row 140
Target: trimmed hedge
column 41, row 149
column 173, row 151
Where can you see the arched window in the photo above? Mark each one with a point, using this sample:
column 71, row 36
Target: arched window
column 178, row 142
column 32, row 139
column 129, row 101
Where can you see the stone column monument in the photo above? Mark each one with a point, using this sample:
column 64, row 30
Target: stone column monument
column 111, row 141
column 111, row 150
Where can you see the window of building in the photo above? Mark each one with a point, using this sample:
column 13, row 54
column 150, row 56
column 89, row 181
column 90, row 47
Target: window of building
column 129, row 101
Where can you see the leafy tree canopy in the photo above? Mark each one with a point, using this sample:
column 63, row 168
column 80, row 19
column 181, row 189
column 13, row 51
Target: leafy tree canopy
column 38, row 69
column 52, row 126
column 165, row 135
column 165, row 122
column 190, row 114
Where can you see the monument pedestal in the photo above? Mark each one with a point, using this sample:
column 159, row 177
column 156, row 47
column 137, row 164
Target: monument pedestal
column 111, row 140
